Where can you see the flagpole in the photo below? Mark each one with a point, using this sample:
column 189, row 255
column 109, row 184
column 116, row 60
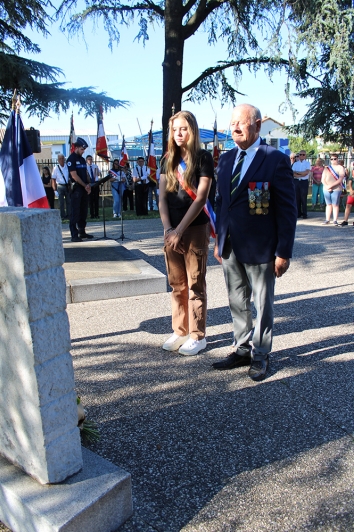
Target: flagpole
column 14, row 99
column 141, row 133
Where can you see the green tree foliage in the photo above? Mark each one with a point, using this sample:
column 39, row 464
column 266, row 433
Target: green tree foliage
column 36, row 82
column 306, row 38
column 331, row 55
column 330, row 114
column 297, row 144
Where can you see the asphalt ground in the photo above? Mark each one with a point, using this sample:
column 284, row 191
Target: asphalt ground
column 214, row 451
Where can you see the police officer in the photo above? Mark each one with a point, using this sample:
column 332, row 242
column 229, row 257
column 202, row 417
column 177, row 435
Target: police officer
column 81, row 189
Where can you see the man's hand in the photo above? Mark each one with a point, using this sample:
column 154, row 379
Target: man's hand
column 216, row 255
column 88, row 189
column 281, row 266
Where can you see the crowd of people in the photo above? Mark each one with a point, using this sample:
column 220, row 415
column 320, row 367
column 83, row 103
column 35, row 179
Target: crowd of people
column 75, row 182
column 331, row 185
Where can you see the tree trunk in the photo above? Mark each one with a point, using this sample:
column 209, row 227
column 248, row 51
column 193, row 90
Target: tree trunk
column 173, row 64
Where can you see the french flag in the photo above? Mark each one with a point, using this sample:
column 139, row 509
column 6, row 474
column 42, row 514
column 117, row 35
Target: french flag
column 152, row 159
column 20, row 182
column 72, row 135
column 123, row 154
column 101, row 142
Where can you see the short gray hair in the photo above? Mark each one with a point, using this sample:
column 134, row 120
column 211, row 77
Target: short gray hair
column 254, row 112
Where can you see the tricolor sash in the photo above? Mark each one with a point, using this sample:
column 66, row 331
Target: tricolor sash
column 192, row 193
column 334, row 174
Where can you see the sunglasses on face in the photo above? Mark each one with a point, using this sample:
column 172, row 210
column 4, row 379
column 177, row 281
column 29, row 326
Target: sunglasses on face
column 334, row 158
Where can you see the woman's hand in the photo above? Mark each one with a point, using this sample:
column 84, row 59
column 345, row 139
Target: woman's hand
column 173, row 239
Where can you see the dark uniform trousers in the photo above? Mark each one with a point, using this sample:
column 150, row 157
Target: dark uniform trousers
column 79, row 207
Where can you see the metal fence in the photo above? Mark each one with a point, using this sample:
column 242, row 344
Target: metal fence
column 104, row 167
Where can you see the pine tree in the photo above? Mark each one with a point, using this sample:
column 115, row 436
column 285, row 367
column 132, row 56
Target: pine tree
column 37, row 83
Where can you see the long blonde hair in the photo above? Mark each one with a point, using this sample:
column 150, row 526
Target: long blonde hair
column 173, row 155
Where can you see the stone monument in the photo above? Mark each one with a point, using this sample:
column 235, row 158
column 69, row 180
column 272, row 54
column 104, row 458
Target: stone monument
column 38, row 421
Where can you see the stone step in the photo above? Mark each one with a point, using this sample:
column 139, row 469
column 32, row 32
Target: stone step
column 104, row 269
column 97, row 499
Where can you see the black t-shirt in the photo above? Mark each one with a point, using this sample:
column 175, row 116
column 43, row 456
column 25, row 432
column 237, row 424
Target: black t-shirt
column 77, row 164
column 179, row 201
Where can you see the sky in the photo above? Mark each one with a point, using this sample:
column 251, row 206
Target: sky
column 134, row 73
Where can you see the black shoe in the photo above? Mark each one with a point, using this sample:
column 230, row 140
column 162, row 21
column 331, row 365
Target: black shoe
column 85, row 235
column 258, row 369
column 343, row 224
column 233, row 360
column 76, row 239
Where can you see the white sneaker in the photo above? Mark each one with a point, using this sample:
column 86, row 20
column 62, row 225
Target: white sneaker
column 174, row 342
column 115, row 215
column 192, row 347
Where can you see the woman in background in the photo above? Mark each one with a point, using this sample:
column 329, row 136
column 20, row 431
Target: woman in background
column 317, row 186
column 48, row 185
column 332, row 179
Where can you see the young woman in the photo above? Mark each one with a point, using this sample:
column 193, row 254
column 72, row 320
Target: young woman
column 332, row 179
column 48, row 185
column 117, row 185
column 187, row 173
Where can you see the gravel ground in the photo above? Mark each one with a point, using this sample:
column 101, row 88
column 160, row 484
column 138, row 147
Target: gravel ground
column 214, row 451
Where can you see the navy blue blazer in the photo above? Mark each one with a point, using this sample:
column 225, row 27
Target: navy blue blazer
column 258, row 238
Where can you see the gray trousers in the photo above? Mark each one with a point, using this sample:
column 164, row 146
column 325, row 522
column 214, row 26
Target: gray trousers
column 64, row 196
column 241, row 281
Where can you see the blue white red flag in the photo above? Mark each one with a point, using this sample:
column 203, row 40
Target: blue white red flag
column 152, row 159
column 20, row 182
column 216, row 152
column 72, row 136
column 101, row 142
column 123, row 154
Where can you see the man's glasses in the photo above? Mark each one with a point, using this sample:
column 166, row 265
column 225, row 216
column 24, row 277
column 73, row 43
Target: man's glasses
column 334, row 158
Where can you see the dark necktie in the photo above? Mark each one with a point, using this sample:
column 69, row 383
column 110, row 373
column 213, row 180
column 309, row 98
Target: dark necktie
column 235, row 179
column 92, row 178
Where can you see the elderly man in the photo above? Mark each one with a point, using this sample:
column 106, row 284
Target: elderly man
column 62, row 186
column 301, row 170
column 255, row 225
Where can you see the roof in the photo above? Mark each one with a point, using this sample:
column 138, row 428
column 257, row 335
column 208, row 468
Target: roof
column 265, row 118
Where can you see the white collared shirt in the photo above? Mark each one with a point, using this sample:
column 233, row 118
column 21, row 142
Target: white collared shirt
column 302, row 166
column 250, row 155
column 58, row 173
column 141, row 171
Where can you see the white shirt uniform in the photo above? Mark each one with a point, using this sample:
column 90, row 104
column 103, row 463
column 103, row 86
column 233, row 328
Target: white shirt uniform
column 141, row 171
column 59, row 172
column 302, row 166
column 95, row 170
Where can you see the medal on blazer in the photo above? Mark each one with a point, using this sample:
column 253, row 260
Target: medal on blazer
column 252, row 197
column 265, row 198
column 258, row 197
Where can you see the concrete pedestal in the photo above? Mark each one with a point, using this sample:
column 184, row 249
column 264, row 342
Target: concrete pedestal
column 97, row 499
column 38, row 422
